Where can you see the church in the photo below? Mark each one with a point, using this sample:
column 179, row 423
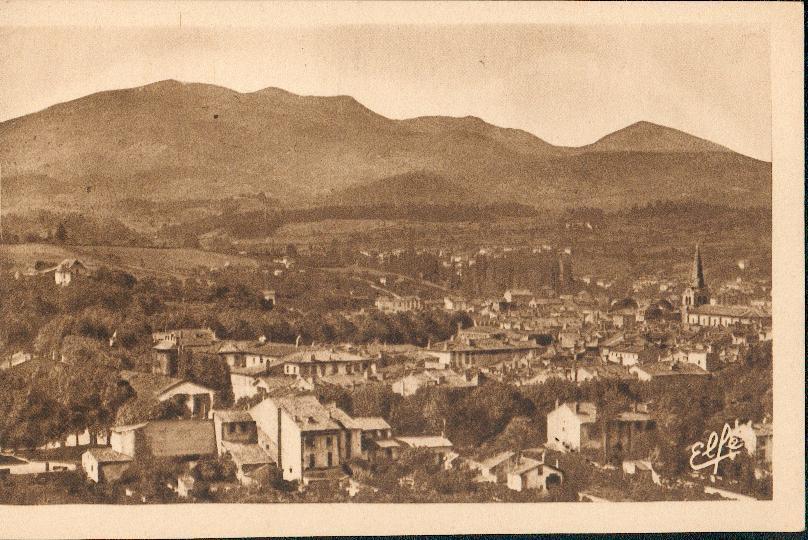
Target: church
column 698, row 309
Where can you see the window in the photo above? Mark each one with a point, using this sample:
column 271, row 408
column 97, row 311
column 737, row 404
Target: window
column 328, row 441
column 310, row 442
column 311, row 461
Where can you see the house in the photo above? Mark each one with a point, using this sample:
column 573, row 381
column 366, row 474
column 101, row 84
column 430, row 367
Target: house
column 575, row 427
column 389, row 304
column 728, row 315
column 301, row 435
column 571, row 425
column 104, row 465
column 168, row 345
column 518, row 297
column 697, row 356
column 149, row 387
column 164, row 358
column 237, row 436
column 187, row 338
column 181, row 440
column 570, row 340
column 250, row 382
column 629, row 355
column 375, row 435
column 68, row 270
column 495, row 469
column 533, row 474
column 311, row 364
column 437, row 444
column 15, row 360
column 642, row 468
column 757, row 438
column 517, row 471
column 657, row 370
column 254, row 354
column 464, row 352
column 453, row 303
column 410, row 384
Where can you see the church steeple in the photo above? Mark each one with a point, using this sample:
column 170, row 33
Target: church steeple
column 697, row 294
column 697, row 281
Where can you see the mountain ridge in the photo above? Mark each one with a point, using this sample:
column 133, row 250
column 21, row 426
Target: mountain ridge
column 177, row 140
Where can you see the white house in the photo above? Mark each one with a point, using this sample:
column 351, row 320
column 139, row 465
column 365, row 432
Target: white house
column 67, row 270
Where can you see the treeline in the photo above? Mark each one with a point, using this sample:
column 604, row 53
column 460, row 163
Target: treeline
column 696, row 209
column 69, row 228
column 262, row 223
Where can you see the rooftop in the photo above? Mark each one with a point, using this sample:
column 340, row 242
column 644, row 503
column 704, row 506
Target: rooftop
column 307, row 412
column 108, row 455
column 732, row 311
column 425, row 441
column 232, row 415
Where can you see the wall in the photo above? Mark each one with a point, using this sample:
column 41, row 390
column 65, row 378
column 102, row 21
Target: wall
column 123, row 442
column 242, row 386
column 320, row 449
column 291, row 448
column 563, row 424
column 111, row 472
column 90, row 466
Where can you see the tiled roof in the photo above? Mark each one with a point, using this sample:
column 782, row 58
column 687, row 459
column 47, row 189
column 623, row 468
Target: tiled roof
column 147, row 385
column 342, row 417
column 165, row 345
column 177, row 438
column 731, row 311
column 307, row 412
column 493, row 461
column 370, row 423
column 425, row 441
column 386, row 443
column 323, row 355
column 232, row 415
column 525, row 464
column 108, row 455
column 247, row 454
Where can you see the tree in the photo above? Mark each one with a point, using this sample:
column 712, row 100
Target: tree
column 61, row 233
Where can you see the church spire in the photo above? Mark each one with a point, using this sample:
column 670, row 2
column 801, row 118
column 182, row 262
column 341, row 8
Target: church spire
column 698, row 271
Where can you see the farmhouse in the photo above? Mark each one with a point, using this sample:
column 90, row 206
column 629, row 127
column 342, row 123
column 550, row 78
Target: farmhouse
column 68, row 270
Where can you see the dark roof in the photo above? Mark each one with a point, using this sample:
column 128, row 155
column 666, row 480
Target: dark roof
column 179, row 438
column 148, row 385
column 233, row 416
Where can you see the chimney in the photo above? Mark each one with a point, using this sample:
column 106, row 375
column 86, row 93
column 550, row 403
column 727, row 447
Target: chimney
column 556, row 403
column 278, row 444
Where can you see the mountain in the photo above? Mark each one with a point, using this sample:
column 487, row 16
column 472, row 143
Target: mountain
column 173, row 141
column 649, row 137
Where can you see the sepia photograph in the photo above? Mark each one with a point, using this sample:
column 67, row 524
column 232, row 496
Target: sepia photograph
column 341, row 261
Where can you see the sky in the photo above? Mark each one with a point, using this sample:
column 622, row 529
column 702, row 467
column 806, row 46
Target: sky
column 567, row 84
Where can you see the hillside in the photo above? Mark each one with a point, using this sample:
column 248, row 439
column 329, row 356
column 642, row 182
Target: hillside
column 172, row 141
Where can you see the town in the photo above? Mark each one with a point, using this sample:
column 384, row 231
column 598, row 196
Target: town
column 424, row 379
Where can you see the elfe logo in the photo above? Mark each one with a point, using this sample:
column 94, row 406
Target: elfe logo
column 716, row 450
